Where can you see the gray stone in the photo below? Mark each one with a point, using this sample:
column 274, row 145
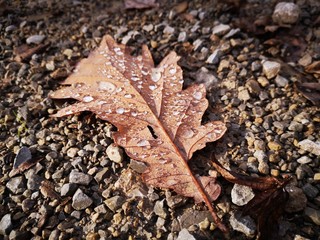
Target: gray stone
column 182, row 37
column 244, row 224
column 214, row 57
column 204, row 76
column 310, row 190
column 27, row 204
column 80, row 200
column 297, row 199
column 54, row 235
column 241, row 195
column 281, row 81
column 221, row 29
column 79, row 178
column 260, row 155
column 185, row 235
column 115, row 153
column 159, row 209
column 23, row 156
column 35, row 39
column 72, row 152
column 68, row 189
column 148, row 27
column 313, row 214
column 101, row 174
column 5, row 224
column 270, row 68
column 304, row 160
column 114, row 203
column 295, row 126
column 310, row 146
column 16, row 185
column 286, row 13
column 168, row 30
column 244, row 95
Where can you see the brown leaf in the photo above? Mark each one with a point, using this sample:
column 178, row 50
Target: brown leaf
column 24, row 52
column 158, row 123
column 310, row 90
column 139, row 4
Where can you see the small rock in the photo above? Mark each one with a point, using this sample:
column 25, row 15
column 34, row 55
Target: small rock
column 244, row 95
column 310, row 146
column 232, row 33
column 114, row 203
column 54, row 235
column 214, row 57
column 221, row 29
column 16, row 185
column 68, row 189
column 275, row 146
column 299, row 237
column 72, row 152
column 79, row 178
column 270, row 69
column 241, row 195
column 68, row 52
column 196, row 44
column 286, row 13
column 168, row 30
column 182, row 37
column 5, row 224
column 23, row 156
column 297, row 199
column 224, row 64
column 253, row 86
column 101, row 174
column 295, row 126
column 304, row 160
column 80, row 200
column 244, row 224
column 310, row 190
column 313, row 214
column 263, row 81
column 204, row 76
column 305, row 60
column 114, row 153
column 185, row 235
column 36, row 39
column 27, row 204
column 148, row 27
column 263, row 168
column 260, row 155
column 281, row 81
column 159, row 209
column 316, row 177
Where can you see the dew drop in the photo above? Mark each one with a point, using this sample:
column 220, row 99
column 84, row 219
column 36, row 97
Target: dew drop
column 128, row 96
column 135, row 78
column 119, row 89
column 197, row 95
column 101, row 102
column 175, row 113
column 181, row 81
column 172, row 71
column 155, row 74
column 144, row 72
column 188, row 133
column 143, row 143
column 134, row 114
column 69, row 112
column 120, row 110
column 87, row 99
column 152, row 87
column 164, row 161
column 106, row 86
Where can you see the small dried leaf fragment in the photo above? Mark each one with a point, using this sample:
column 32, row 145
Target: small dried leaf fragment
column 158, row 123
column 310, row 90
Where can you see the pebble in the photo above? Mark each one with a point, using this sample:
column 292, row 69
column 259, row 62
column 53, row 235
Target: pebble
column 263, row 81
column 313, row 214
column 310, row 146
column 185, row 235
column 214, row 57
column 241, row 195
column 72, row 152
column 115, row 153
column 304, row 160
column 159, row 209
column 148, row 27
column 286, row 13
column 23, row 156
column 114, row 203
column 168, row 30
column 224, row 64
column 196, row 44
column 310, row 190
column 244, row 224
column 68, row 189
column 79, row 178
column 316, row 177
column 253, row 86
column 182, row 37
column 297, row 199
column 299, row 237
column 305, row 60
column 260, row 155
column 220, row 29
column 36, row 39
column 263, row 168
column 80, row 200
column 204, row 76
column 270, row 68
column 244, row 95
column 281, row 81
column 5, row 224
column 275, row 146
column 101, row 174
column 16, row 185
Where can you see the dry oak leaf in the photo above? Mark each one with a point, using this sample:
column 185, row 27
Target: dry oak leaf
column 157, row 122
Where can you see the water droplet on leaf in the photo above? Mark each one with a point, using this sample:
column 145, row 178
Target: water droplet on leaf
column 152, row 87
column 106, row 86
column 143, row 143
column 87, row 99
column 155, row 74
column 120, row 110
column 188, row 133
column 197, row 95
column 172, row 70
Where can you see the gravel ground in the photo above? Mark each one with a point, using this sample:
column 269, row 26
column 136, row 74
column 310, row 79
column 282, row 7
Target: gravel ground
column 64, row 179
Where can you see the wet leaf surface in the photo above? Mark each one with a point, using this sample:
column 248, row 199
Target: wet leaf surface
column 158, row 123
